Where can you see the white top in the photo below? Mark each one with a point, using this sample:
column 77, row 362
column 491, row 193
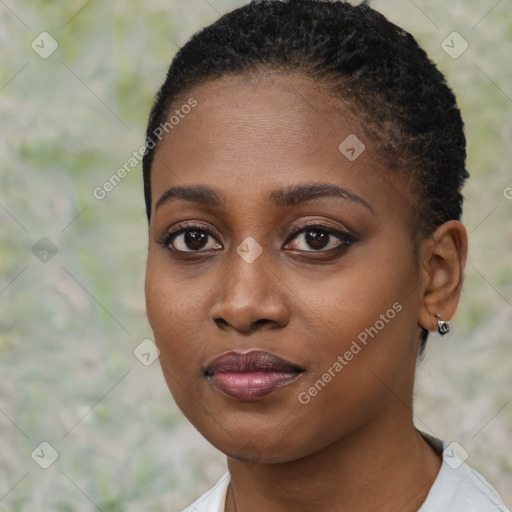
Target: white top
column 457, row 488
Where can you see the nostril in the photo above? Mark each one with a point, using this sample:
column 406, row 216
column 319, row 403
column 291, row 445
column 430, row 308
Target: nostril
column 261, row 321
column 221, row 322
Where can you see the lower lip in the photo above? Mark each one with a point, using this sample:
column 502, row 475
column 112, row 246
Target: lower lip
column 251, row 386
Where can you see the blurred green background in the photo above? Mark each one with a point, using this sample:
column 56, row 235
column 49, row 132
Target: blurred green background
column 70, row 320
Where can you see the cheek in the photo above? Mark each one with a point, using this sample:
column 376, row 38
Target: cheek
column 345, row 303
column 363, row 323
column 173, row 315
column 173, row 310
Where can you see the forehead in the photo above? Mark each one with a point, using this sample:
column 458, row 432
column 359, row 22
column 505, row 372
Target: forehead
column 276, row 112
column 250, row 134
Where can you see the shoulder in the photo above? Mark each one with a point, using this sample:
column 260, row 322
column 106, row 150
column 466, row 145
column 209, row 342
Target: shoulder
column 459, row 488
column 214, row 499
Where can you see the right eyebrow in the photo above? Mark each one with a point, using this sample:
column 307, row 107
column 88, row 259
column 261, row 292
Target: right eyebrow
column 196, row 193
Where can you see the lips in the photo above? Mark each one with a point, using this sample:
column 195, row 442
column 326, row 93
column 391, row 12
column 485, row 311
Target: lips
column 251, row 375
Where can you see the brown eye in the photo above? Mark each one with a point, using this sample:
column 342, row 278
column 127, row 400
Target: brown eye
column 316, row 238
column 191, row 239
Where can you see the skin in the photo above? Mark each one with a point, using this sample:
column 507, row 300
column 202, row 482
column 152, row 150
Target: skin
column 354, row 445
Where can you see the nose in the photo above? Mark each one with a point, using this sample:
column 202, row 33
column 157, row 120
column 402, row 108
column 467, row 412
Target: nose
column 251, row 296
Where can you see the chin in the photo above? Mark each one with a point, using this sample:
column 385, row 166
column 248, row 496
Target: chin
column 257, row 448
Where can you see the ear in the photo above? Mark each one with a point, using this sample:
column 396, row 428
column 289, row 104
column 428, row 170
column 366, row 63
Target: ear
column 443, row 259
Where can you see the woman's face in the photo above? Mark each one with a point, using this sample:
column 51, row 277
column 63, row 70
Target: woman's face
column 337, row 302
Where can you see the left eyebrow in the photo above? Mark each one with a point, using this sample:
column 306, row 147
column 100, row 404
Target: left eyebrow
column 288, row 196
column 295, row 194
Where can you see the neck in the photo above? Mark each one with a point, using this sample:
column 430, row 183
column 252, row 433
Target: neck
column 381, row 469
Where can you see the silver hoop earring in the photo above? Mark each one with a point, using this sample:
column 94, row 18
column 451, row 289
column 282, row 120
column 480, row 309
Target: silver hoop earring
column 442, row 326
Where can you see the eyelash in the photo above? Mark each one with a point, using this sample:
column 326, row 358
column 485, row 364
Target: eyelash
column 346, row 238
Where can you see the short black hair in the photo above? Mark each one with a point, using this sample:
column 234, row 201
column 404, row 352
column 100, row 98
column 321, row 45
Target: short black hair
column 400, row 97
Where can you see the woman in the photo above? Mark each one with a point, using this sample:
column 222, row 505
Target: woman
column 303, row 172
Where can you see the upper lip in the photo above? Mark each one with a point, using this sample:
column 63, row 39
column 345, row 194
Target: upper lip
column 247, row 362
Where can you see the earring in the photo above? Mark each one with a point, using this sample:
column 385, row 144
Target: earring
column 442, row 326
